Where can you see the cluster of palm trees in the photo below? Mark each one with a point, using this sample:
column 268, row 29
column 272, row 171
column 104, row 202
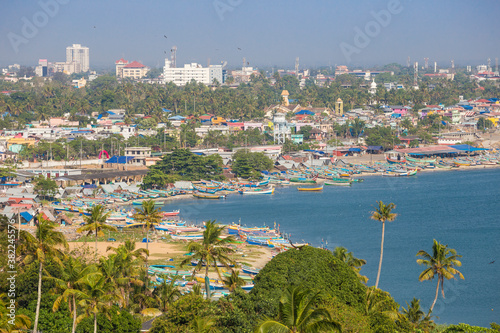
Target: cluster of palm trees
column 440, row 264
column 93, row 286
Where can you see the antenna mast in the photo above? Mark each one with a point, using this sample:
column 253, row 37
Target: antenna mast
column 173, row 57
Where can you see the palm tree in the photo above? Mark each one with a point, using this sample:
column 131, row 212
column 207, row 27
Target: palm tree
column 383, row 213
column 96, row 296
column 42, row 246
column 416, row 317
column 212, row 250
column 351, row 261
column 233, row 281
column 167, row 293
column 150, row 216
column 297, row 314
column 441, row 263
column 95, row 223
column 20, row 323
column 72, row 271
column 202, row 325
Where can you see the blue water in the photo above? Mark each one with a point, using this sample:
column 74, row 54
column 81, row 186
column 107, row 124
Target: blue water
column 458, row 208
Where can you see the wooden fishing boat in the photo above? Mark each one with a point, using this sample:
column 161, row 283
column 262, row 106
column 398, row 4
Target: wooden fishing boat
column 421, row 160
column 172, row 213
column 139, row 203
column 334, row 183
column 461, row 163
column 208, row 196
column 257, row 191
column 250, row 270
column 393, row 161
column 310, row 189
column 302, row 180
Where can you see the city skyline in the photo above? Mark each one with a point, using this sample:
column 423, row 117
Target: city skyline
column 365, row 33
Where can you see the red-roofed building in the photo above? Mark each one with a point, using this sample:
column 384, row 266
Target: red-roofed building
column 133, row 70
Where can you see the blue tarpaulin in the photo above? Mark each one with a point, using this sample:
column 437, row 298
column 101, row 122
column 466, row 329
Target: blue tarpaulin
column 467, row 107
column 176, row 118
column 355, row 149
column 166, row 110
column 315, row 151
column 305, row 112
column 120, row 159
column 27, row 216
column 374, row 148
column 467, row 148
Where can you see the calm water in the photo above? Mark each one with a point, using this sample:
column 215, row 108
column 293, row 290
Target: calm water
column 458, row 208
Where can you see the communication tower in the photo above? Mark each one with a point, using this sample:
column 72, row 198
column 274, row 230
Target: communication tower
column 489, row 64
column 452, row 64
column 297, row 67
column 173, row 57
column 415, row 73
column 408, row 62
column 244, row 62
column 426, row 63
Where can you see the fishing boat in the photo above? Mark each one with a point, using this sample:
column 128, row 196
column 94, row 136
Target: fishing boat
column 311, row 189
column 139, row 203
column 302, row 180
column 187, row 237
column 395, row 161
column 208, row 196
column 334, row 183
column 172, row 213
column 421, row 160
column 257, row 191
column 462, row 163
column 250, row 270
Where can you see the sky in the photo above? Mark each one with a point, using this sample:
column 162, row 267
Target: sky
column 267, row 33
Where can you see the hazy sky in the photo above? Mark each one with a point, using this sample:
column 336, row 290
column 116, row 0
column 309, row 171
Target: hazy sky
column 320, row 32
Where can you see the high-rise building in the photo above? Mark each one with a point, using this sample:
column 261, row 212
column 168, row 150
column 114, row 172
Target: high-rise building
column 79, row 55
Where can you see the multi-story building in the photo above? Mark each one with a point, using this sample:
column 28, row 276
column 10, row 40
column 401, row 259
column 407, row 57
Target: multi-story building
column 183, row 75
column 78, row 54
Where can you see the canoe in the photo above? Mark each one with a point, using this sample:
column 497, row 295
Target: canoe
column 392, row 161
column 333, row 183
column 302, row 180
column 310, row 188
column 172, row 213
column 250, row 270
column 257, row 191
column 421, row 160
column 208, row 196
column 139, row 203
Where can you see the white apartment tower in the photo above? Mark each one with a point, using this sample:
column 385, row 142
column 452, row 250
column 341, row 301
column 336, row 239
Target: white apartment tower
column 183, row 75
column 79, row 55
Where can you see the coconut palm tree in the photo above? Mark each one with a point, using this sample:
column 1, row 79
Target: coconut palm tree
column 202, row 325
column 297, row 314
column 416, row 317
column 440, row 264
column 44, row 245
column 150, row 216
column 96, row 296
column 20, row 323
column 233, row 281
column 72, row 271
column 382, row 214
column 351, row 261
column 167, row 292
column 95, row 223
column 212, row 250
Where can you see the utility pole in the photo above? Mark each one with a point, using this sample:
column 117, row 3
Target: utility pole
column 81, row 151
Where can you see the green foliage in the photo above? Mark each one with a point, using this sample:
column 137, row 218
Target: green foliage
column 182, row 164
column 381, row 136
column 484, row 123
column 49, row 321
column 121, row 322
column 249, row 165
column 312, row 268
column 45, row 187
column 465, row 328
column 182, row 313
